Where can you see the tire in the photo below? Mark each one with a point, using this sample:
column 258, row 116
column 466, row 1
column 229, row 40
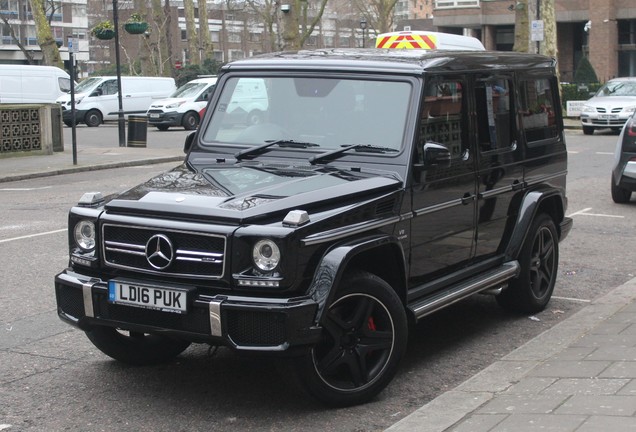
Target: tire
column 588, row 130
column 190, row 120
column 163, row 127
column 539, row 260
column 620, row 195
column 363, row 339
column 137, row 349
column 93, row 118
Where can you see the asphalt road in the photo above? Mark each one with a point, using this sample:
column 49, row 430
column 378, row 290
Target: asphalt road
column 52, row 379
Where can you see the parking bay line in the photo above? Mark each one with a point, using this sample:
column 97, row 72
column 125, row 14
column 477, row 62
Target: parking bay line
column 584, row 212
column 32, row 235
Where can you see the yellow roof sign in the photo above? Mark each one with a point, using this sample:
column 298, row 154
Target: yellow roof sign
column 427, row 40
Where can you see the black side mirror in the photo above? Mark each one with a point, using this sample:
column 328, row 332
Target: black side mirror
column 188, row 142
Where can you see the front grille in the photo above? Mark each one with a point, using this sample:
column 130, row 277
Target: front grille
column 194, row 255
column 255, row 328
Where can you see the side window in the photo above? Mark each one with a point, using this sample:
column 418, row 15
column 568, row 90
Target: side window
column 443, row 118
column 537, row 100
column 494, row 117
column 109, row 87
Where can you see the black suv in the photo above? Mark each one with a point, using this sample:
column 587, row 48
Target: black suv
column 624, row 170
column 379, row 186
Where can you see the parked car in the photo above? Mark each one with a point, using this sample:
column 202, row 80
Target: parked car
column 624, row 170
column 32, row 84
column 610, row 107
column 378, row 187
column 97, row 99
column 182, row 108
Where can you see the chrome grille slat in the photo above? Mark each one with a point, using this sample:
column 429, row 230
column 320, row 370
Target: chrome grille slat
column 196, row 255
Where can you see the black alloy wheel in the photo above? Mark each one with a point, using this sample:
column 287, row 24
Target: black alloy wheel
column 539, row 260
column 364, row 338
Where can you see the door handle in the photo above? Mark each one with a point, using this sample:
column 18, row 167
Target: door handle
column 517, row 185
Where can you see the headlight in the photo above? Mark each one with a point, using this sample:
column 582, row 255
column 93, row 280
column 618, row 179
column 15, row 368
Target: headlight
column 175, row 105
column 266, row 255
column 630, row 109
column 85, row 235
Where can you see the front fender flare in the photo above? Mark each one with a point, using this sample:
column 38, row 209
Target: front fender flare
column 335, row 262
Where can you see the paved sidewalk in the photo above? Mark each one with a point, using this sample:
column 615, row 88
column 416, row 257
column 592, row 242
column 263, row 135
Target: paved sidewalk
column 580, row 375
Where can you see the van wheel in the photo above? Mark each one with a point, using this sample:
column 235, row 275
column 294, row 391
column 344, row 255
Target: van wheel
column 363, row 339
column 255, row 117
column 190, row 121
column 539, row 259
column 587, row 130
column 135, row 348
column 163, row 127
column 93, row 118
column 620, row 195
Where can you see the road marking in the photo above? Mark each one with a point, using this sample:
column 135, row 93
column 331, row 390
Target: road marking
column 605, row 153
column 573, row 152
column 4, row 426
column 584, row 212
column 572, row 299
column 32, row 235
column 23, row 190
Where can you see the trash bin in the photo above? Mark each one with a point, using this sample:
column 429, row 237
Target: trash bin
column 137, row 130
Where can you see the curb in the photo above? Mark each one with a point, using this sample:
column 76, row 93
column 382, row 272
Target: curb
column 86, row 168
column 449, row 408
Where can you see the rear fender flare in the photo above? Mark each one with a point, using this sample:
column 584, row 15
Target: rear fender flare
column 337, row 260
column 548, row 201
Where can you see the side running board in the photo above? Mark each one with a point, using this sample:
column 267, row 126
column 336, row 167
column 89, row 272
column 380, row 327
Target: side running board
column 455, row 293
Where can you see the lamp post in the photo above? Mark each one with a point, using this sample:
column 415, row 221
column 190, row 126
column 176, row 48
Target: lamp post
column 120, row 112
column 363, row 26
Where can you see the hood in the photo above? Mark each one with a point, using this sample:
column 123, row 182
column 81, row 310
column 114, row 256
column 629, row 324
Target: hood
column 244, row 192
column 612, row 101
column 66, row 98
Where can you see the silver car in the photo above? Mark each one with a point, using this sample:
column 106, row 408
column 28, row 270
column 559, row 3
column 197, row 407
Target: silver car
column 610, row 107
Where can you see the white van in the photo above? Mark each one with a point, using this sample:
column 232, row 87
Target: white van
column 96, row 98
column 183, row 107
column 32, row 84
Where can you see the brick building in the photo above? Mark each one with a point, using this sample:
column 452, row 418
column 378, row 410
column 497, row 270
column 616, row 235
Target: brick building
column 605, row 30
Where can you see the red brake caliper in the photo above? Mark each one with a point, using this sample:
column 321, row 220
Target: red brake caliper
column 371, row 324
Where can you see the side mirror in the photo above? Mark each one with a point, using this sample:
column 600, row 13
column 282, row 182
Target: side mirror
column 436, row 155
column 188, row 142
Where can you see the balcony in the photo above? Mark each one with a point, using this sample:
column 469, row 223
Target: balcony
column 456, row 4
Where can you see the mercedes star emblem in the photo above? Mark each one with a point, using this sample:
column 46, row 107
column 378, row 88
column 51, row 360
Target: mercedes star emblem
column 159, row 251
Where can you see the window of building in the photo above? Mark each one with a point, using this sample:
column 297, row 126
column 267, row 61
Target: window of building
column 234, row 37
column 215, row 36
column 5, row 32
column 184, row 35
column 344, row 41
column 538, row 108
column 9, row 8
column 255, row 37
column 328, row 40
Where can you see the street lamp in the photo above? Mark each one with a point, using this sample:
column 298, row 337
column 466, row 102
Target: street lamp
column 363, row 26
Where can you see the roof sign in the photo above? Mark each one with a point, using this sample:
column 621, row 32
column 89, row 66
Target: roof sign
column 427, row 41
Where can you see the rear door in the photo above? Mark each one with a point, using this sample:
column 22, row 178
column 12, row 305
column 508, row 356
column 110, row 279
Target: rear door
column 499, row 157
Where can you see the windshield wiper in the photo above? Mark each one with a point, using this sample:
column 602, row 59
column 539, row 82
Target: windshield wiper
column 281, row 143
column 368, row 148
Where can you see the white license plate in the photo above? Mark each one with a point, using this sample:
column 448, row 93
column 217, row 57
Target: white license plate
column 154, row 115
column 149, row 297
column 607, row 116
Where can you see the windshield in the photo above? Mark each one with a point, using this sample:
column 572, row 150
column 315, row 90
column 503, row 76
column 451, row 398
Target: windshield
column 87, row 85
column 618, row 88
column 189, row 90
column 327, row 113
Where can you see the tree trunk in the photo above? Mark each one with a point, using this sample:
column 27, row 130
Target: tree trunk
column 206, row 42
column 191, row 30
column 50, row 52
column 522, row 27
column 27, row 54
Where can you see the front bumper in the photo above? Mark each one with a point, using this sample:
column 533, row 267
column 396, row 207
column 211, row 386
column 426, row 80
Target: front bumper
column 604, row 120
column 159, row 118
column 242, row 323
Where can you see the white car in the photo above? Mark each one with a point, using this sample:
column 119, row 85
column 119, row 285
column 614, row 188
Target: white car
column 183, row 107
column 610, row 107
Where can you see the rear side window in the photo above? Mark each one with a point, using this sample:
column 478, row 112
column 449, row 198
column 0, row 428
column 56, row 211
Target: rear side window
column 538, row 114
column 65, row 84
column 495, row 121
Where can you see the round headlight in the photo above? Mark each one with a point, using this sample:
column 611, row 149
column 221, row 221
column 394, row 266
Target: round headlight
column 266, row 255
column 85, row 235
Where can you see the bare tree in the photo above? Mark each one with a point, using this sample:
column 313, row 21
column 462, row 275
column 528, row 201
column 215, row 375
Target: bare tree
column 265, row 10
column 378, row 13
column 293, row 37
column 206, row 43
column 16, row 40
column 191, row 30
column 160, row 40
column 522, row 27
column 45, row 39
